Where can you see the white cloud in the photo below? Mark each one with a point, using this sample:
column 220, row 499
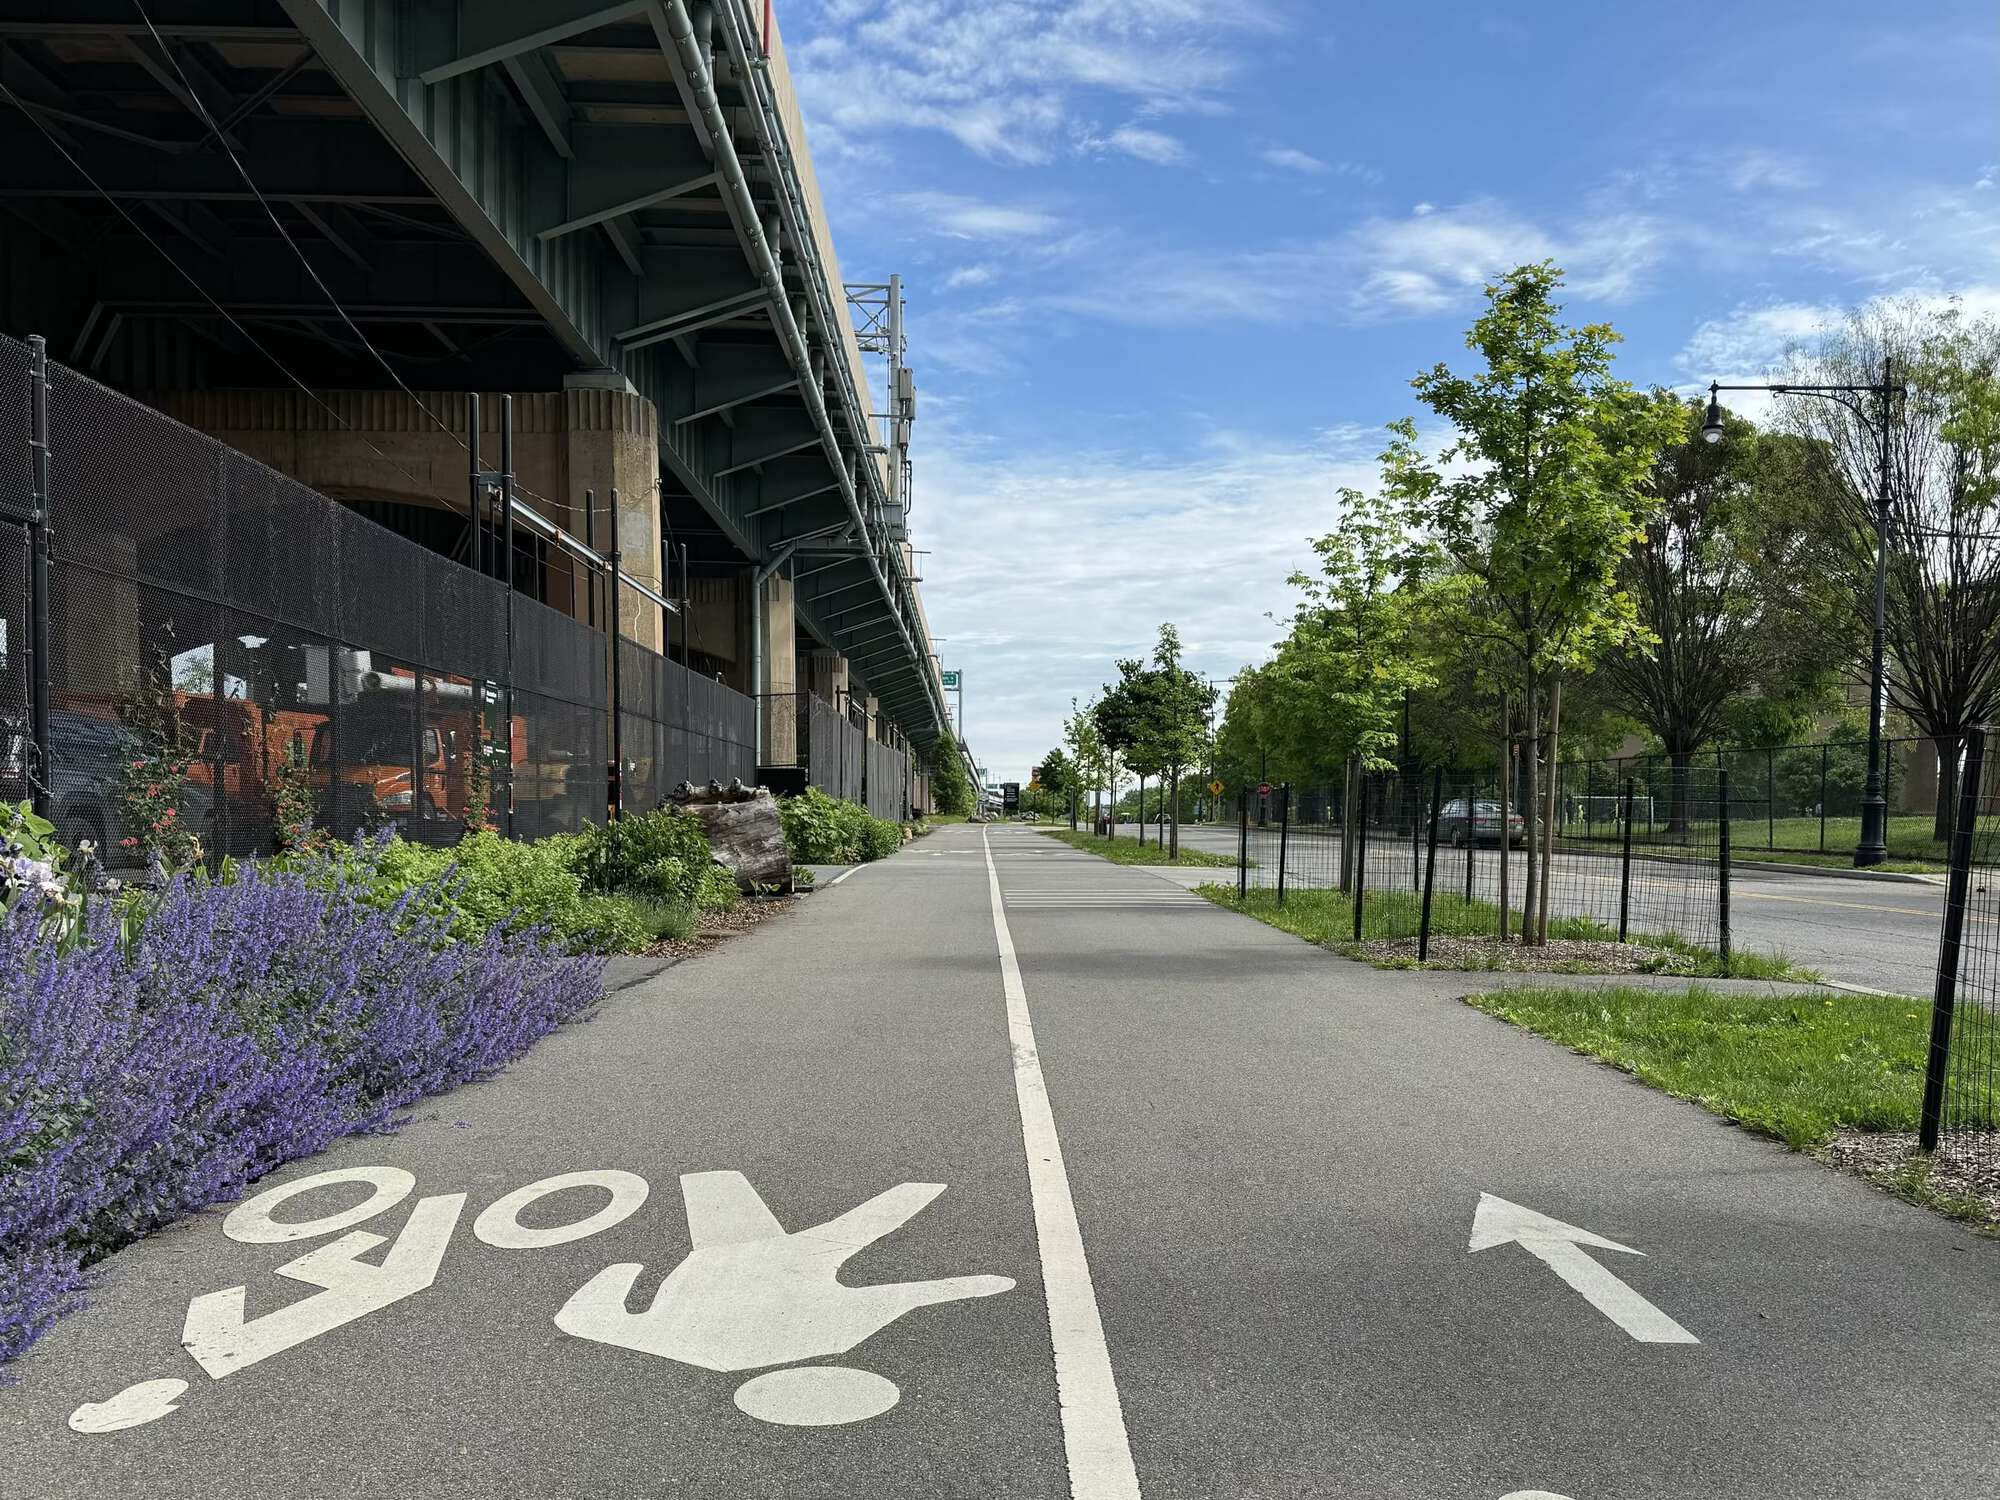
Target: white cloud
column 966, row 277
column 1291, row 159
column 1096, row 550
column 1751, row 341
column 1754, row 170
column 1430, row 262
column 1012, row 79
column 1154, row 146
column 956, row 216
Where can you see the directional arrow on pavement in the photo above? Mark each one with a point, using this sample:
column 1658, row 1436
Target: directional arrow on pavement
column 1559, row 1246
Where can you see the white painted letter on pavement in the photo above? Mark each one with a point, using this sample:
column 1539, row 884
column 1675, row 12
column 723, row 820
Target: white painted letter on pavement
column 1560, row 1247
column 251, row 1221
column 223, row 1342
column 500, row 1224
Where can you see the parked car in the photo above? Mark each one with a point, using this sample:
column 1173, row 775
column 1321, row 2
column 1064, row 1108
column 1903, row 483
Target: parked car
column 89, row 755
column 1461, row 821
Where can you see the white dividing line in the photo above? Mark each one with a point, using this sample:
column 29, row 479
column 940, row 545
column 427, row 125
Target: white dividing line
column 1093, row 1421
column 840, row 877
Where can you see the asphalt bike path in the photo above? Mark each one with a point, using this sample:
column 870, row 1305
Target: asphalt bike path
column 1000, row 1171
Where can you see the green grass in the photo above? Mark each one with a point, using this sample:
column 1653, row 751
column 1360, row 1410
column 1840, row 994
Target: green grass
column 1793, row 840
column 1795, row 1067
column 1122, row 850
column 1327, row 918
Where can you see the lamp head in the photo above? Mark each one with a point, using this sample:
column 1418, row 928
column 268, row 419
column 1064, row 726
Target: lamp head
column 1711, row 422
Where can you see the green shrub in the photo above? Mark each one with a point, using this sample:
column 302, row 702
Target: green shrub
column 625, row 855
column 823, row 830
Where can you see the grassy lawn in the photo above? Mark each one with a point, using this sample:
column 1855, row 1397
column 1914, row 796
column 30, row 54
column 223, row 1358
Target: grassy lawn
column 1794, row 840
column 1122, row 850
column 1798, row 1067
column 1327, row 918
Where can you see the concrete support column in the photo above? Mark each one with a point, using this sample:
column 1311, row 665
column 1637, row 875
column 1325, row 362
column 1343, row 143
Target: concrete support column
column 778, row 683
column 611, row 442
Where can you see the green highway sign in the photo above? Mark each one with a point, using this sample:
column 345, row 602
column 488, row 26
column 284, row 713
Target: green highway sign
column 950, row 681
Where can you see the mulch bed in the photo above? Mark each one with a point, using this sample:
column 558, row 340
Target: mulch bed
column 1964, row 1173
column 715, row 926
column 1557, row 956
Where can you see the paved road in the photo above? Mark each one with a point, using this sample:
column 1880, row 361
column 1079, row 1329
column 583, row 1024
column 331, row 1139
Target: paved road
column 1200, row 1200
column 1877, row 934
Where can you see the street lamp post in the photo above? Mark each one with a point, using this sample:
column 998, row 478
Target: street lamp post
column 1873, row 847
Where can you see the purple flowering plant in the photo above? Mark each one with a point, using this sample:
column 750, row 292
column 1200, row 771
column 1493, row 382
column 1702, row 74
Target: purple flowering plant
column 152, row 1065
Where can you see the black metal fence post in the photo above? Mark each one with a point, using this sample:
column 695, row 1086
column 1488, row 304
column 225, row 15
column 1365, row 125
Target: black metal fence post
column 1360, row 850
column 1242, row 846
column 475, row 482
column 1430, row 868
column 1722, row 867
column 1472, row 838
column 1284, row 834
column 507, row 567
column 1771, row 799
column 1625, row 870
column 40, row 782
column 1944, row 999
column 613, row 634
column 1822, row 798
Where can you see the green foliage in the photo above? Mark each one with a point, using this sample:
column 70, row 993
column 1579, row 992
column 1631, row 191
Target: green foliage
column 823, row 830
column 663, row 854
column 615, row 889
column 951, row 788
column 35, row 872
column 295, row 806
column 1798, row 1067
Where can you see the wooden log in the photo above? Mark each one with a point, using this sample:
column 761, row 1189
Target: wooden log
column 744, row 832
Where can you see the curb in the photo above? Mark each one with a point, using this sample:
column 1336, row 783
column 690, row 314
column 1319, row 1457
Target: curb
column 1834, row 872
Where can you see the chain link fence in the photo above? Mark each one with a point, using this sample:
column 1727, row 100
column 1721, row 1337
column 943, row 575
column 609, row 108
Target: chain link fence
column 1961, row 1108
column 1399, row 856
column 222, row 638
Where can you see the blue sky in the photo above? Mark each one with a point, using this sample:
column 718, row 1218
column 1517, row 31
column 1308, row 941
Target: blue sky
column 1171, row 265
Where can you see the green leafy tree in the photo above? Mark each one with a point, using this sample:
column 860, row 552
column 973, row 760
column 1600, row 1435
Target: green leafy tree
column 1734, row 595
column 1087, row 750
column 951, row 788
column 1530, row 508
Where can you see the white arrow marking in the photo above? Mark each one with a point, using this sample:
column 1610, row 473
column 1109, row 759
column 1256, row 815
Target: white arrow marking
column 1559, row 1246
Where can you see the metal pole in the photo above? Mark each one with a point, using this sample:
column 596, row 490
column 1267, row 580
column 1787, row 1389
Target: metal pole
column 507, row 573
column 1722, row 867
column 1472, row 837
column 1937, row 1066
column 476, row 493
column 1242, row 846
column 1822, row 797
column 1506, row 808
column 590, row 574
column 1430, row 868
column 687, row 674
column 38, row 578
column 1625, row 870
column 1360, row 848
column 1771, row 799
column 1284, row 835
column 613, row 634
column 1873, row 848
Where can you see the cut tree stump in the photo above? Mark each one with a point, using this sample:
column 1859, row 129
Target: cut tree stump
column 743, row 829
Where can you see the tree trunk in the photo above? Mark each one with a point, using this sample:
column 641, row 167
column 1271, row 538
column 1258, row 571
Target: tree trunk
column 1174, row 817
column 1348, row 796
column 1680, row 759
column 743, row 834
column 1506, row 804
column 1550, row 826
column 1950, row 754
column 1142, row 810
column 1531, row 746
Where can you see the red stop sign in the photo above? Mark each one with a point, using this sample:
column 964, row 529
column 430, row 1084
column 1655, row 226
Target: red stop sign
column 1263, row 788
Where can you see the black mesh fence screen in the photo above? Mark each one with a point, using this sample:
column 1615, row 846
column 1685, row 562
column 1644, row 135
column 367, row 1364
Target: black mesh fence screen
column 1962, row 1093
column 226, row 641
column 1362, row 855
